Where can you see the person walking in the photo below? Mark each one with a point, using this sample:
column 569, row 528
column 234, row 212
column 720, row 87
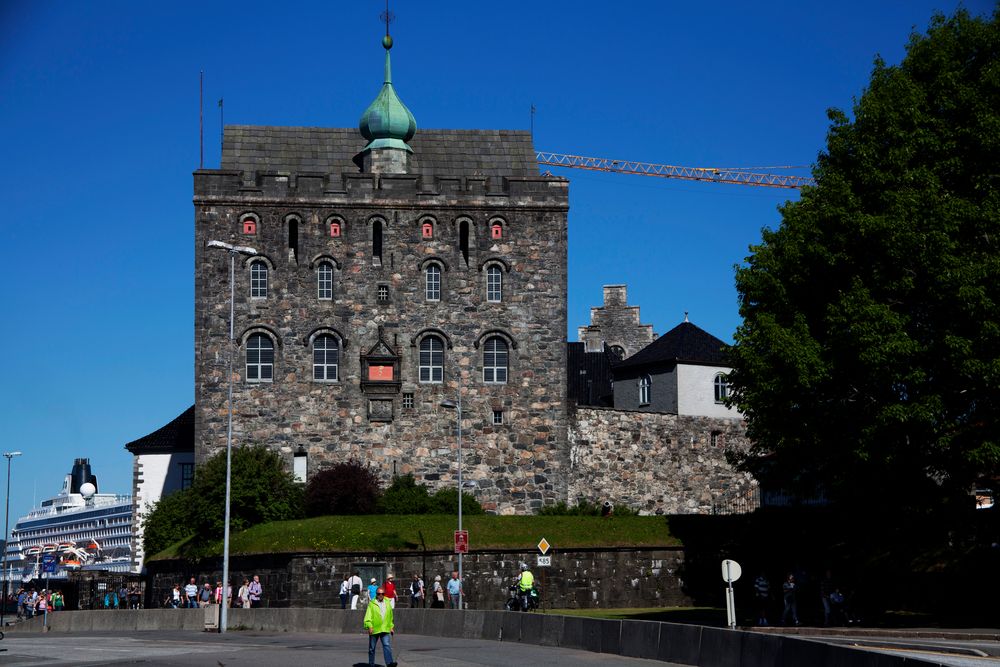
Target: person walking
column 255, row 591
column 789, row 591
column 378, row 623
column 355, row 585
column 416, row 591
column 175, row 596
column 191, row 594
column 244, row 594
column 372, row 588
column 761, row 594
column 390, row 589
column 345, row 592
column 437, row 591
column 58, row 601
column 454, row 591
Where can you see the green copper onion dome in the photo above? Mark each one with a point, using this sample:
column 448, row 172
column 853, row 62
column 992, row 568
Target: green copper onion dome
column 387, row 123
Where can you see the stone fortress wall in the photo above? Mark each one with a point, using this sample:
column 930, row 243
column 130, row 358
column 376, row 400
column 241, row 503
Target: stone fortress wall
column 517, row 465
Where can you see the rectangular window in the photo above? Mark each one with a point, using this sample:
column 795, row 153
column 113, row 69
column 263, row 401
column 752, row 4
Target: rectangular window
column 716, row 438
column 382, row 294
column 187, row 475
column 497, row 417
column 407, row 400
column 494, row 285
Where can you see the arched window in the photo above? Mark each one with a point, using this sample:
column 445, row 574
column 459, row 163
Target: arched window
column 494, row 284
column 721, row 388
column 377, row 240
column 293, row 239
column 644, row 385
column 260, row 358
column 258, row 280
column 432, row 282
column 431, row 360
column 617, row 352
column 495, row 358
column 324, row 281
column 463, row 240
column 326, row 358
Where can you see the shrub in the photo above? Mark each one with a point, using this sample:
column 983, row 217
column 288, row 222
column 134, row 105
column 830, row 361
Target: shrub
column 584, row 508
column 405, row 496
column 345, row 488
column 167, row 522
column 445, row 501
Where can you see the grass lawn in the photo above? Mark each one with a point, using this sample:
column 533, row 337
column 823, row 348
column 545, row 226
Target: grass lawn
column 715, row 616
column 435, row 532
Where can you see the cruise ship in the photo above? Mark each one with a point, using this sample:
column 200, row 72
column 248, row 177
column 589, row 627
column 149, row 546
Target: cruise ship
column 84, row 529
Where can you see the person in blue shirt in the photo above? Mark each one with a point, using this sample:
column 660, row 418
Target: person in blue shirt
column 454, row 590
column 372, row 588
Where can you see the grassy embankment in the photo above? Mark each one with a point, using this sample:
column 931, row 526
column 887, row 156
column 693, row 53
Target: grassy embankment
column 388, row 533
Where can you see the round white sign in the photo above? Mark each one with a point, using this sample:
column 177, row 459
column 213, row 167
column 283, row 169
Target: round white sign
column 731, row 571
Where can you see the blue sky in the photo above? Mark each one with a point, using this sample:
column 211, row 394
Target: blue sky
column 99, row 129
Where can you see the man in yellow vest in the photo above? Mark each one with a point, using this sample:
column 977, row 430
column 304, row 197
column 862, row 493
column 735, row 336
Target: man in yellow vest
column 524, row 584
column 378, row 623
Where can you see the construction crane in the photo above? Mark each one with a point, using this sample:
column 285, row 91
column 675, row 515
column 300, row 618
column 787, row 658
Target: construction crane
column 734, row 175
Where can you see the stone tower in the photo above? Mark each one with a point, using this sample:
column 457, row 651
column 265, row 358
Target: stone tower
column 616, row 324
column 395, row 269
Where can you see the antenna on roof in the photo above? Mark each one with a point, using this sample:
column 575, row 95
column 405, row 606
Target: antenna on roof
column 532, row 122
column 222, row 127
column 686, row 316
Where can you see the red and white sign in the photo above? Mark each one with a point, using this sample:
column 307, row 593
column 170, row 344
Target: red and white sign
column 461, row 541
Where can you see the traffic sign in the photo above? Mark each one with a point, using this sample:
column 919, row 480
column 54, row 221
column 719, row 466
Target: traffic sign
column 731, row 571
column 461, row 541
column 544, row 561
column 543, row 546
column 49, row 563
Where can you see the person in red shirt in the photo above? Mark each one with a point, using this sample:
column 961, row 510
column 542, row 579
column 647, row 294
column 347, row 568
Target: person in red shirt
column 390, row 590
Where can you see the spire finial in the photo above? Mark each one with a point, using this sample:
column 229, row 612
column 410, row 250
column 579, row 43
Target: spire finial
column 686, row 316
column 388, row 18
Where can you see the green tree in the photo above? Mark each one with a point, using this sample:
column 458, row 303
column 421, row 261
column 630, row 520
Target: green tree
column 445, row 501
column 351, row 487
column 405, row 496
column 262, row 490
column 868, row 360
column 168, row 521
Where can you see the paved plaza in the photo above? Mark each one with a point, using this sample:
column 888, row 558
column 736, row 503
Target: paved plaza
column 191, row 649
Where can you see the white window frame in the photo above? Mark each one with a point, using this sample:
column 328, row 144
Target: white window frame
column 645, row 389
column 257, row 348
column 432, row 283
column 721, row 386
column 429, row 371
column 324, row 281
column 330, row 371
column 258, row 279
column 495, row 371
column 498, row 418
column 494, row 284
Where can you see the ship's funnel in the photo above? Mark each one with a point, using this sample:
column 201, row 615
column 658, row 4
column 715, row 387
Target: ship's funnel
column 81, row 475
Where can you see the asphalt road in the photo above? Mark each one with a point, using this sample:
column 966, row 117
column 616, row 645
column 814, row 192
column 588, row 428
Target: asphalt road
column 192, row 649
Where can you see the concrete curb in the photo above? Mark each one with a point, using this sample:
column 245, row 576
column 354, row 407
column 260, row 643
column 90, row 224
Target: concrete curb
column 682, row 644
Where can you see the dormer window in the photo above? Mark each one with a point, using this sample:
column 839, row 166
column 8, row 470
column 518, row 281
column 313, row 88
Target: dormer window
column 645, row 383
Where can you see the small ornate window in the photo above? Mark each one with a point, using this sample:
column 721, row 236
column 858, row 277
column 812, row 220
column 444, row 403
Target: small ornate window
column 249, row 226
column 495, row 360
column 260, row 359
column 431, row 360
column 427, row 230
column 382, row 294
column 324, row 281
column 258, row 280
column 496, row 230
column 335, row 229
column 721, row 388
column 326, row 358
column 407, row 400
column 645, row 382
column 494, row 284
column 432, row 283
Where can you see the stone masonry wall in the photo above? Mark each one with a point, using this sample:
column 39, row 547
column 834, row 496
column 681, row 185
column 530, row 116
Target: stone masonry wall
column 612, row 578
column 652, row 462
column 518, row 465
column 617, row 324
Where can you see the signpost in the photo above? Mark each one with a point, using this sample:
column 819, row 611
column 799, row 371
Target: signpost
column 461, row 541
column 49, row 562
column 731, row 572
column 544, row 561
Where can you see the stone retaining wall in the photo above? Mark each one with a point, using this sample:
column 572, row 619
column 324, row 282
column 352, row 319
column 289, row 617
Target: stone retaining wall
column 577, row 579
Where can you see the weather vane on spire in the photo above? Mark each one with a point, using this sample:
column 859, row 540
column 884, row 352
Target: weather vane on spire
column 388, row 17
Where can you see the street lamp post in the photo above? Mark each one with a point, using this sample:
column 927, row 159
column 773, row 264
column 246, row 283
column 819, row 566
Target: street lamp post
column 457, row 406
column 233, row 251
column 6, row 532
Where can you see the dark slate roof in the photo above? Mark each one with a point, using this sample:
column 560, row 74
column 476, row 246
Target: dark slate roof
column 685, row 343
column 336, row 150
column 177, row 436
column 583, row 366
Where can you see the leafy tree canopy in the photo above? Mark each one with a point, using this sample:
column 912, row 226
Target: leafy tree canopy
column 167, row 522
column 351, row 487
column 868, row 360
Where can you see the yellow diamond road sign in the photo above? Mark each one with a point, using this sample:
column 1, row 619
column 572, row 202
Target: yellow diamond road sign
column 543, row 546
